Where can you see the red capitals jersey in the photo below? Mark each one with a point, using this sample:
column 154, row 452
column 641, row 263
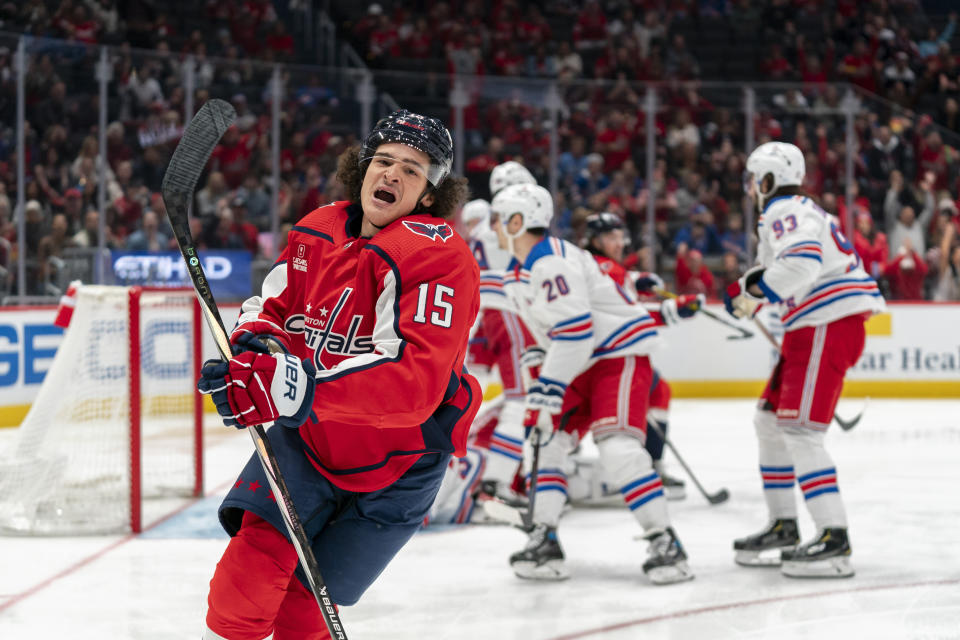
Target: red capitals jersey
column 612, row 268
column 385, row 320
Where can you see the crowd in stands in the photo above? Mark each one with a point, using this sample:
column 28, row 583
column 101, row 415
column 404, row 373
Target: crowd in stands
column 902, row 64
column 907, row 125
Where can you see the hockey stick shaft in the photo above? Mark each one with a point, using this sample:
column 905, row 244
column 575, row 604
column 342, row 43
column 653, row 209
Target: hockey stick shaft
column 713, row 498
column 532, row 489
column 744, row 333
column 846, row 425
column 198, row 141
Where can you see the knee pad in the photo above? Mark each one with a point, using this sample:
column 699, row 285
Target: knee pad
column 806, row 447
column 623, row 458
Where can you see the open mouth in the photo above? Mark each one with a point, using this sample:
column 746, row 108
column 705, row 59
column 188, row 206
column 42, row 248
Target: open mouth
column 386, row 196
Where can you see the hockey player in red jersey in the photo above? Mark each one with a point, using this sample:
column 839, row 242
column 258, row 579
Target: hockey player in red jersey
column 595, row 378
column 811, row 272
column 606, row 238
column 372, row 301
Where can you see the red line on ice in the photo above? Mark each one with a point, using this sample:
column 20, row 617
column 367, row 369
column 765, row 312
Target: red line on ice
column 588, row 633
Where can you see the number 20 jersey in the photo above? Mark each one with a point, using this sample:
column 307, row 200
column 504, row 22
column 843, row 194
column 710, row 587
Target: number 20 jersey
column 811, row 270
column 385, row 320
column 577, row 312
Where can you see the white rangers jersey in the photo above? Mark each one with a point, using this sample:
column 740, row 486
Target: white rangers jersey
column 811, row 270
column 493, row 263
column 576, row 312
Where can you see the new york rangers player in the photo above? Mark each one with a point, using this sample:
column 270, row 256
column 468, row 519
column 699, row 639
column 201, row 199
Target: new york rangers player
column 501, row 339
column 372, row 301
column 595, row 378
column 811, row 271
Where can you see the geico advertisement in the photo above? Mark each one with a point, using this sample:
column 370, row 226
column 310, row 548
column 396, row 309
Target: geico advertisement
column 29, row 342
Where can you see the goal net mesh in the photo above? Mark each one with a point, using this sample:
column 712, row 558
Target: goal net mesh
column 72, row 468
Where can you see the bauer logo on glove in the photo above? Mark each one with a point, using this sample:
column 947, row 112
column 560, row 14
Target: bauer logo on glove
column 257, row 388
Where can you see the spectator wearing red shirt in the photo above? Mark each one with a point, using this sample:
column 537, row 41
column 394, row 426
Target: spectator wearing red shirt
column 776, row 66
column 232, row 156
column 905, row 273
column 590, row 30
column 243, row 228
column 692, row 276
column 613, row 141
column 533, row 28
column 870, row 244
column 419, row 43
column 932, row 156
column 859, row 66
column 280, row 42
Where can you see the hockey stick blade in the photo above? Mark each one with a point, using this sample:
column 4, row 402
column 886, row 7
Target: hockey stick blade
column 847, row 425
column 503, row 512
column 713, row 498
column 189, row 159
column 199, row 140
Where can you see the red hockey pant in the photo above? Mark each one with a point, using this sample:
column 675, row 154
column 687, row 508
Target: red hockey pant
column 254, row 593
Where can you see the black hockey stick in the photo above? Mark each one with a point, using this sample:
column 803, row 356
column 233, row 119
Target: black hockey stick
column 742, row 332
column 846, row 425
column 532, row 490
column 713, row 498
column 199, row 139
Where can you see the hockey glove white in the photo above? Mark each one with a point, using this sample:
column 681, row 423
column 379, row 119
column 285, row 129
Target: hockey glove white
column 740, row 303
column 256, row 388
column 542, row 404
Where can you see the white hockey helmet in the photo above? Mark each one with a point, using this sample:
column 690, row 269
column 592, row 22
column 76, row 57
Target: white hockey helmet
column 531, row 201
column 509, row 173
column 478, row 213
column 780, row 160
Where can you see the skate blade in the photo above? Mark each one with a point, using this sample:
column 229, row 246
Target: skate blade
column 671, row 574
column 552, row 570
column 835, row 567
column 765, row 558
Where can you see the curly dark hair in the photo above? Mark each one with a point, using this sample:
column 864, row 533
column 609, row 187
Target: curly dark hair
column 447, row 198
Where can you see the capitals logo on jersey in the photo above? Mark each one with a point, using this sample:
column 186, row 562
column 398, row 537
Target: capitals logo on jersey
column 432, row 231
column 329, row 346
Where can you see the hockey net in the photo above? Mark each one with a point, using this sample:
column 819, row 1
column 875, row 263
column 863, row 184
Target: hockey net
column 117, row 419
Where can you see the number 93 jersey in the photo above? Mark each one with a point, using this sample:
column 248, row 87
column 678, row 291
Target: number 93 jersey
column 811, row 269
column 577, row 312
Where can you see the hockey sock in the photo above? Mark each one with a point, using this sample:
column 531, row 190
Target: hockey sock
column 551, row 478
column 816, row 476
column 776, row 466
column 251, row 581
column 506, row 444
column 628, row 466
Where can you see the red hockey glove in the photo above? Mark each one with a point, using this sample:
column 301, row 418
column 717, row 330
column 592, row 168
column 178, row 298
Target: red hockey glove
column 262, row 336
column 673, row 310
column 256, row 388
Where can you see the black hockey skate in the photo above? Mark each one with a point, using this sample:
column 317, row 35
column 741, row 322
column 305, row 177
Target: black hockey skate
column 542, row 558
column 826, row 557
column 666, row 560
column 764, row 549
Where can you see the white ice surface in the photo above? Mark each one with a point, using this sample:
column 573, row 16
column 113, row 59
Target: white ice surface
column 898, row 472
